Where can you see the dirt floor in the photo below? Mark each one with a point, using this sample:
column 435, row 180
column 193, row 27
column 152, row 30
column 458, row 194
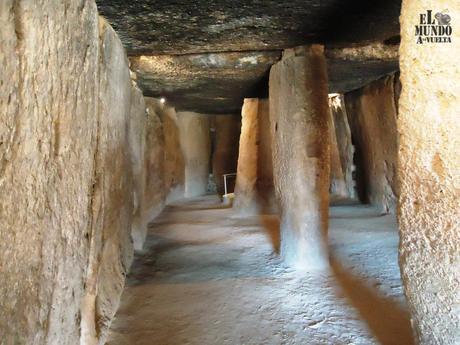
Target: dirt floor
column 209, row 278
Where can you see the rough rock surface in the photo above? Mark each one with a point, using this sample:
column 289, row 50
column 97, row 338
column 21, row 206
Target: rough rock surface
column 154, row 193
column 344, row 143
column 48, row 128
column 429, row 173
column 136, row 135
column 245, row 202
column 372, row 114
column 214, row 83
column 65, row 173
column 195, row 142
column 337, row 186
column 207, row 57
column 350, row 68
column 185, row 27
column 225, row 156
column 299, row 117
column 112, row 200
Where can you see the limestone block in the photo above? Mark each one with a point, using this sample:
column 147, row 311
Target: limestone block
column 372, row 113
column 245, row 201
column 344, row 142
column 136, row 137
column 195, row 144
column 174, row 163
column 49, row 55
column 154, row 190
column 110, row 243
column 337, row 187
column 299, row 117
column 429, row 174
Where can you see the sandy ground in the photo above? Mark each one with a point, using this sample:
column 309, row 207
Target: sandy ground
column 209, row 278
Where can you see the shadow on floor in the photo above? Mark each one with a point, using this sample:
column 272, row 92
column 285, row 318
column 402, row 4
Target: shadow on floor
column 384, row 316
column 271, row 225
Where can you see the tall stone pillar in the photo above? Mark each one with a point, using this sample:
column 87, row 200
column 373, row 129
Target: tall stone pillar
column 265, row 188
column 338, row 187
column 429, row 174
column 246, row 179
column 299, row 116
column 344, row 144
column 196, row 147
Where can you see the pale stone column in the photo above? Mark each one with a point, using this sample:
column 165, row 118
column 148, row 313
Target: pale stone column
column 429, row 175
column 338, row 187
column 344, row 144
column 299, row 116
column 246, row 179
column 196, row 147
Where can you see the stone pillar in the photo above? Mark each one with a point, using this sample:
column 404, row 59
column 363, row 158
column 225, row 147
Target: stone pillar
column 174, row 165
column 344, row 144
column 300, row 140
column 337, row 186
column 429, row 175
column 372, row 112
column 196, row 148
column 265, row 188
column 136, row 137
column 246, row 190
column 154, row 193
column 225, row 158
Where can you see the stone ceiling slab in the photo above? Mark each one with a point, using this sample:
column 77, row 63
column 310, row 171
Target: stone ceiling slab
column 207, row 83
column 207, row 56
column 153, row 27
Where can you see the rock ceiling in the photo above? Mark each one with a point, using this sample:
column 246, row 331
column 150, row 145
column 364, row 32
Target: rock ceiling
column 206, row 56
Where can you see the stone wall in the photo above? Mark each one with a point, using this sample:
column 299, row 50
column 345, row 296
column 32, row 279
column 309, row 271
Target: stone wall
column 372, row 114
column 225, row 156
column 174, row 164
column 299, row 117
column 154, row 160
column 136, row 137
column 429, row 174
column 68, row 141
column 195, row 144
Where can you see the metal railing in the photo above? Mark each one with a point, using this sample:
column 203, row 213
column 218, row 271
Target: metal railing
column 225, row 181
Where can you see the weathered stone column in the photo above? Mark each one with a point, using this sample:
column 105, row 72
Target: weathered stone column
column 246, row 190
column 337, row 187
column 154, row 193
column 136, row 136
column 429, row 175
column 344, row 144
column 300, row 123
column 196, row 148
column 372, row 112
